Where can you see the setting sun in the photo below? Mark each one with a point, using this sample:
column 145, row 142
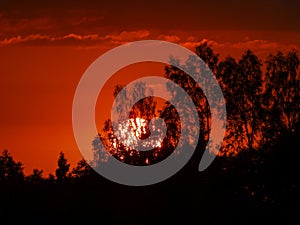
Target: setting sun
column 134, row 134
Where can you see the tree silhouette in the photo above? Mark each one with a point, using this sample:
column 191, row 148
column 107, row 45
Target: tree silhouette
column 130, row 123
column 282, row 96
column 63, row 168
column 249, row 96
column 196, row 93
column 36, row 177
column 228, row 73
column 82, row 170
column 207, row 54
column 10, row 170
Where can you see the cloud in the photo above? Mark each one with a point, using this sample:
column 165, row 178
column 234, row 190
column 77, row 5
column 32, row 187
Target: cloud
column 256, row 44
column 47, row 39
column 128, row 35
column 170, row 38
column 259, row 46
column 230, row 47
column 75, row 39
column 20, row 39
column 190, row 43
column 81, row 37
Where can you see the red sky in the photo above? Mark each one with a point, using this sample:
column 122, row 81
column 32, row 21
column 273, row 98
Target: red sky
column 45, row 49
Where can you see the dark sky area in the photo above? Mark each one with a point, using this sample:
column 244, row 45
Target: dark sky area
column 94, row 16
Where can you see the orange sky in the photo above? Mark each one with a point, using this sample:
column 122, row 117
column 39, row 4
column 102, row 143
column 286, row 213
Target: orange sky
column 44, row 50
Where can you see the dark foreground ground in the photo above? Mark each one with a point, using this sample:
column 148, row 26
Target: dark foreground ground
column 252, row 188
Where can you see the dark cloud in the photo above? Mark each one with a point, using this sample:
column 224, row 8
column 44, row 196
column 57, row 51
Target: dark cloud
column 63, row 17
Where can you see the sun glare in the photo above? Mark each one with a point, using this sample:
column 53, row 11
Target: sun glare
column 132, row 132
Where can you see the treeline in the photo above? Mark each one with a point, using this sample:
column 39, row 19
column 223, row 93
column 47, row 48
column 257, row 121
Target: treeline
column 12, row 171
column 261, row 187
column 262, row 97
column 262, row 102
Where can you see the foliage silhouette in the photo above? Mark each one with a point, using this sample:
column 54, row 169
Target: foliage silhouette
column 35, row 177
column 10, row 170
column 63, row 168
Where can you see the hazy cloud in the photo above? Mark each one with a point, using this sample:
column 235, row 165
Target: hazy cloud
column 170, row 38
column 75, row 39
column 128, row 35
column 229, row 47
column 44, row 39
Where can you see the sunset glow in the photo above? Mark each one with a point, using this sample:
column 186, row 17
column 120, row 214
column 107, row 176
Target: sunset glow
column 46, row 47
column 149, row 112
column 132, row 131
